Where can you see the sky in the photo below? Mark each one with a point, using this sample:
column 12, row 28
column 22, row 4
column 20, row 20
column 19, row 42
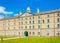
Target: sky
column 13, row 7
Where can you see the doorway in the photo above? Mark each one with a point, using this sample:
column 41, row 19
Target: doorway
column 25, row 33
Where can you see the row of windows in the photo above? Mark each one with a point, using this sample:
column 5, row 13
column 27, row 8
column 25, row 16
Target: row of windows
column 58, row 33
column 48, row 16
column 32, row 27
column 32, row 22
column 39, row 21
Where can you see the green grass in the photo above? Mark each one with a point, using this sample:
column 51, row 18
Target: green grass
column 33, row 40
column 6, row 36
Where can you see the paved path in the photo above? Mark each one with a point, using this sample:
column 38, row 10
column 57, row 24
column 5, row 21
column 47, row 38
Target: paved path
column 11, row 38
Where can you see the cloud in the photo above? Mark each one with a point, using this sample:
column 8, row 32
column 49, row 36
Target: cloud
column 2, row 10
column 15, row 14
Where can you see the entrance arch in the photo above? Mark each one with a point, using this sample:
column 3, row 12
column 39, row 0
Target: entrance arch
column 25, row 33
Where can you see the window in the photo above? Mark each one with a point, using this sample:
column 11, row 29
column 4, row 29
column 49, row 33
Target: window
column 25, row 18
column 38, row 17
column 48, row 26
column 38, row 21
column 22, row 18
column 8, row 25
column 48, row 33
column 25, row 27
column 29, row 22
column 38, row 33
column 33, row 22
column 33, row 17
column 14, row 28
column 43, row 21
column 30, row 18
column 33, row 33
column 19, row 23
column 19, row 33
column 58, row 19
column 29, row 27
column 58, row 14
column 25, row 22
column 19, row 27
column 48, row 16
column 29, row 32
column 58, row 33
column 58, row 25
column 14, row 21
column 19, row 19
column 33, row 27
column 48, row 20
column 38, row 26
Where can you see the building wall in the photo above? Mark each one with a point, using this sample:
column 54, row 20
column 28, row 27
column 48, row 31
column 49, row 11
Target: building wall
column 17, row 26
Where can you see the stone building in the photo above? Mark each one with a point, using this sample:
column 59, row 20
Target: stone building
column 28, row 24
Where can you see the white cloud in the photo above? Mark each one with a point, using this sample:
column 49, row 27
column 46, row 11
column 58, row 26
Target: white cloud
column 15, row 14
column 2, row 10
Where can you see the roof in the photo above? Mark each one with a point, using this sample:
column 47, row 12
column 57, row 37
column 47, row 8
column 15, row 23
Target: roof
column 30, row 14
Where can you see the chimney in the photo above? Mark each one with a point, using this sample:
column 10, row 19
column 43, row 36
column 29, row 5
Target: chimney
column 28, row 9
column 20, row 13
column 38, row 11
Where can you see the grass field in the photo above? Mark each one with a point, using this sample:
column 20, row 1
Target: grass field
column 6, row 36
column 33, row 40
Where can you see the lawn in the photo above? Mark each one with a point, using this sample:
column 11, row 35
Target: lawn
column 6, row 36
column 33, row 40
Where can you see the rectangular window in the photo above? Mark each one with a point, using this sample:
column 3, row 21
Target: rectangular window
column 48, row 26
column 58, row 33
column 38, row 21
column 21, row 22
column 58, row 25
column 19, row 27
column 33, row 27
column 33, row 22
column 14, row 21
column 43, row 21
column 47, row 33
column 22, row 18
column 38, row 33
column 38, row 26
column 58, row 14
column 33, row 17
column 33, row 33
column 30, row 18
column 38, row 17
column 48, row 20
column 14, row 28
column 29, row 22
column 48, row 16
column 30, row 27
column 25, row 22
column 8, row 24
column 25, row 18
column 58, row 19
column 25, row 27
